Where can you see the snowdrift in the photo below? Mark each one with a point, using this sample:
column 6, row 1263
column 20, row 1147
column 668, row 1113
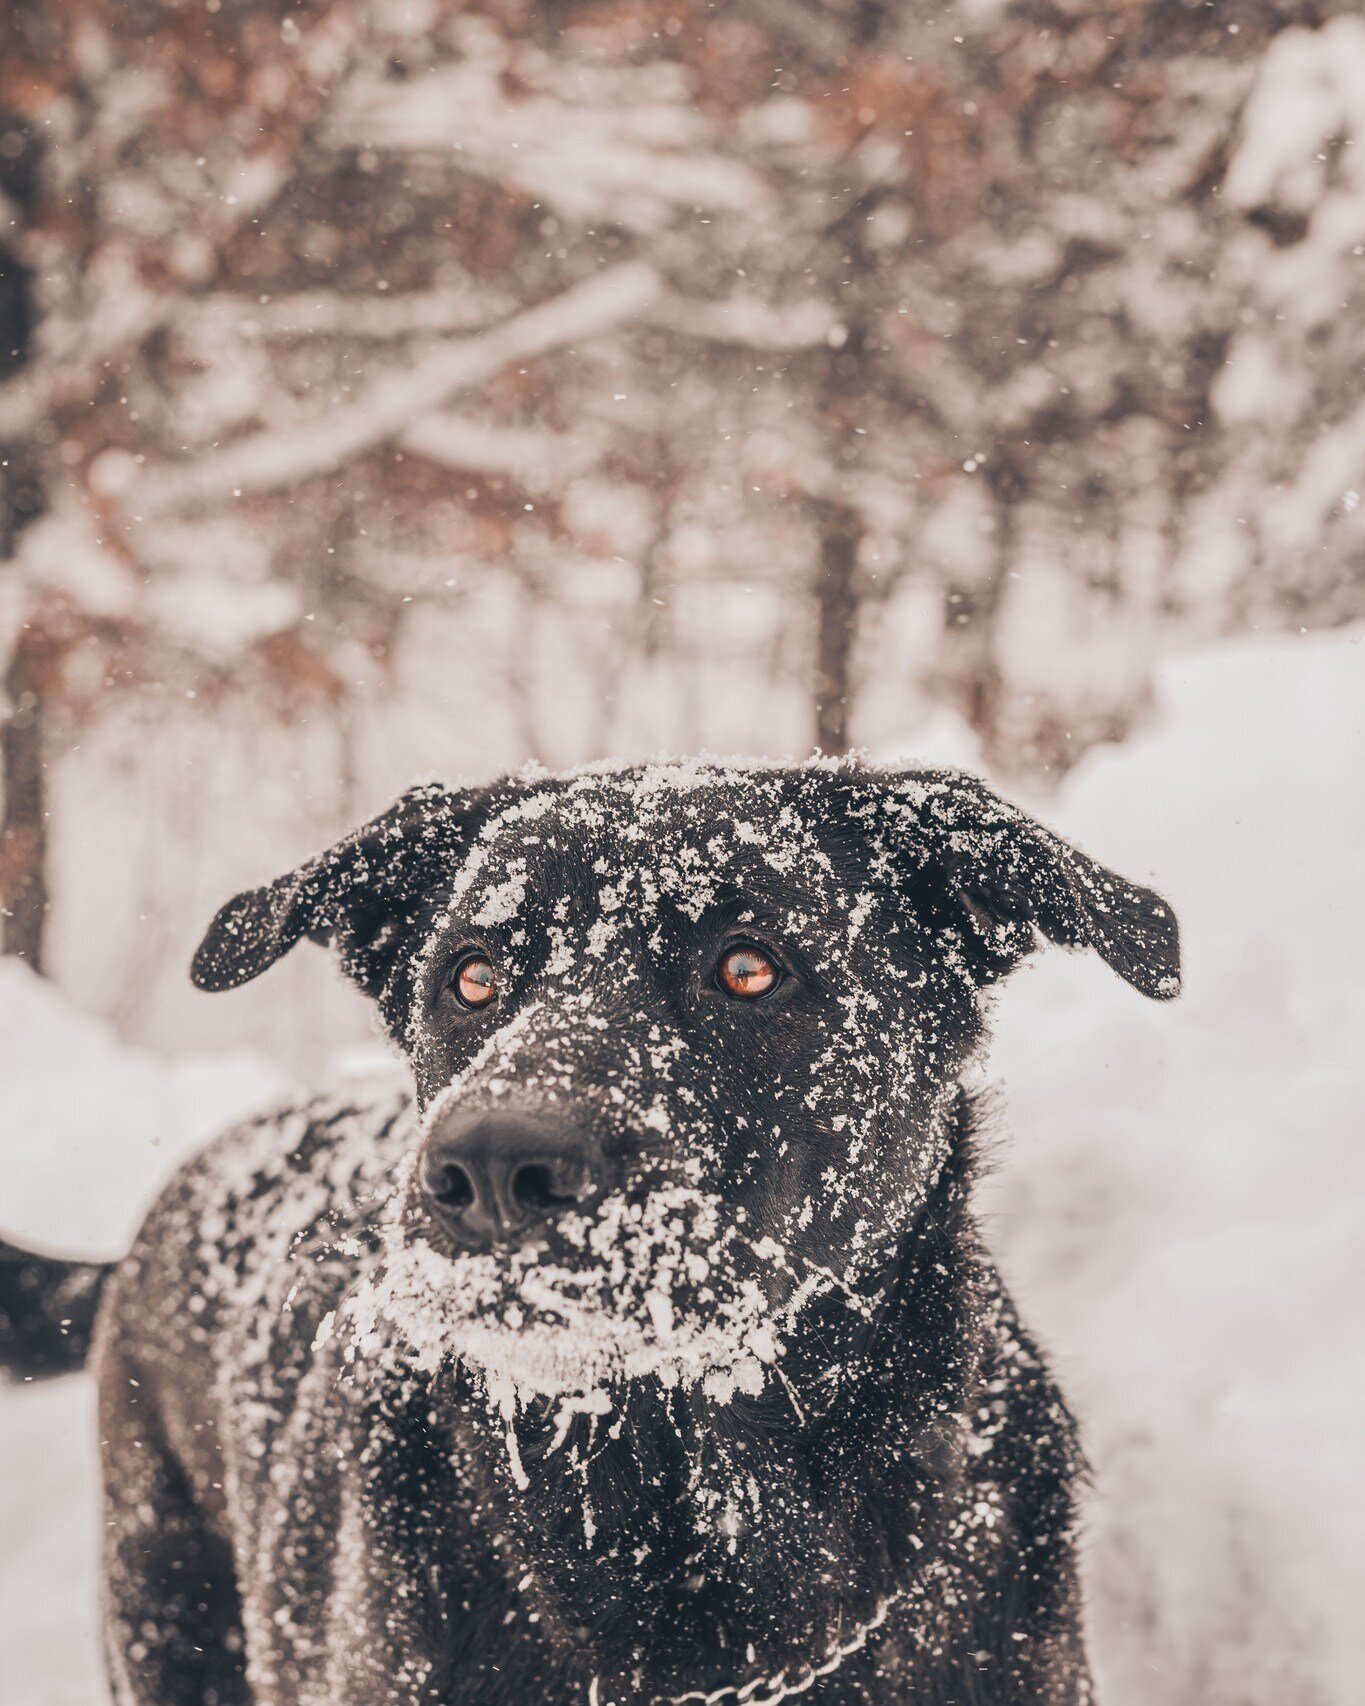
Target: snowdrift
column 1181, row 1201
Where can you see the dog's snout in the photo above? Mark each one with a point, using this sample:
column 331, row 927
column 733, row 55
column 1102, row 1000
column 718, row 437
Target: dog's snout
column 497, row 1178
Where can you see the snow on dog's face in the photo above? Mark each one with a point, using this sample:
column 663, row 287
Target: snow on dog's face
column 747, row 993
column 694, row 968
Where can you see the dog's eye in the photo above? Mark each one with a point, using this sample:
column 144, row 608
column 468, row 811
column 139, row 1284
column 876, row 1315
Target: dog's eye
column 747, row 972
column 474, row 981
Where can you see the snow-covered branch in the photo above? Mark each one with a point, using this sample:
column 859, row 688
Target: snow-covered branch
column 374, row 316
column 747, row 321
column 628, row 146
column 269, row 460
column 534, row 456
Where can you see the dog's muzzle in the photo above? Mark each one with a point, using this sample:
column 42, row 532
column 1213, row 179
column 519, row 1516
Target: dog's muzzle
column 497, row 1179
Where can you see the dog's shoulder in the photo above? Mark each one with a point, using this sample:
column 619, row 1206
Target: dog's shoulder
column 296, row 1192
column 1023, row 1435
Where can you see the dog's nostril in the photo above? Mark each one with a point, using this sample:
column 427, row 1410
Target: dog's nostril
column 450, row 1184
column 536, row 1186
column 491, row 1179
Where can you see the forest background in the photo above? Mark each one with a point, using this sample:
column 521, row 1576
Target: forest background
column 429, row 387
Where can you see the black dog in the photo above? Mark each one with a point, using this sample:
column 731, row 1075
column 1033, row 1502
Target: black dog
column 647, row 1353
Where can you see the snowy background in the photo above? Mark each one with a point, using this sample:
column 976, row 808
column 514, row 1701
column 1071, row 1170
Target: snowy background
column 389, row 391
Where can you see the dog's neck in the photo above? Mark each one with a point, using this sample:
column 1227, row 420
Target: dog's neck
column 762, row 1532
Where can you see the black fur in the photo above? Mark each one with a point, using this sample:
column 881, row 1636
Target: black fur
column 347, row 1463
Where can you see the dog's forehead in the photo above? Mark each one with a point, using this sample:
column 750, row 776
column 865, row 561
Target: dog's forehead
column 684, row 834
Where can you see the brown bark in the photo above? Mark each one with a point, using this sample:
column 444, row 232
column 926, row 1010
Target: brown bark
column 836, row 604
column 23, row 822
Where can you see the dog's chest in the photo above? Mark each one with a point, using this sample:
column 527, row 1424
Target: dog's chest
column 377, row 1540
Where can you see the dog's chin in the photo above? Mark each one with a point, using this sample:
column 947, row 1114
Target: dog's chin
column 533, row 1327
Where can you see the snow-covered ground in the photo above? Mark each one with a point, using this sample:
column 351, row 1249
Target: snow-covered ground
column 1183, row 1204
column 1180, row 1205
column 88, row 1128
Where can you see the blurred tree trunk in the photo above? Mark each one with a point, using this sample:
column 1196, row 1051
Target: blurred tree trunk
column 23, row 821
column 971, row 675
column 836, row 604
column 23, row 825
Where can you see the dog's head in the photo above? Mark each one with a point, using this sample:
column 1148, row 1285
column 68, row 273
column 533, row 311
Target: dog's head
column 685, row 1039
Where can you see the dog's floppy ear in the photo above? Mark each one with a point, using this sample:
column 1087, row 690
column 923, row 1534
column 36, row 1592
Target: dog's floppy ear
column 355, row 895
column 1012, row 877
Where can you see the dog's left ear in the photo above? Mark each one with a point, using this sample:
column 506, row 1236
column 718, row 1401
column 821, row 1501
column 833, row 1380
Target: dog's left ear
column 355, row 896
column 1011, row 877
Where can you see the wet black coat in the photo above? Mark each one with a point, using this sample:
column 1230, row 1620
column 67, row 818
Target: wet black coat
column 764, row 1424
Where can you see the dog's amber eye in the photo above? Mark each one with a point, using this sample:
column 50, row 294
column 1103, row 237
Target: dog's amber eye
column 747, row 972
column 474, row 981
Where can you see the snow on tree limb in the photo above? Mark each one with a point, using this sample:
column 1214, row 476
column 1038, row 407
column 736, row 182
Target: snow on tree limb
column 748, row 322
column 626, row 144
column 71, row 371
column 1295, row 515
column 743, row 321
column 464, row 306
column 275, row 458
column 535, row 456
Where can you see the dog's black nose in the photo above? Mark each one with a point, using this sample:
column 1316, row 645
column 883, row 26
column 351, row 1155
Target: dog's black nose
column 494, row 1178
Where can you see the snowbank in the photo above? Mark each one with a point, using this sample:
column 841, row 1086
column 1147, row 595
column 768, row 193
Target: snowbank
column 1182, row 1202
column 1180, row 1205
column 88, row 1128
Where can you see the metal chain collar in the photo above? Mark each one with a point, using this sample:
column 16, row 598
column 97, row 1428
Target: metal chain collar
column 770, row 1691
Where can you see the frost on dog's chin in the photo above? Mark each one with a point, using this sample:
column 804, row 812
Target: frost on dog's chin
column 640, row 1301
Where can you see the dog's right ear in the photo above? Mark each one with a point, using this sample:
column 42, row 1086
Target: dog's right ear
column 1010, row 881
column 357, row 895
